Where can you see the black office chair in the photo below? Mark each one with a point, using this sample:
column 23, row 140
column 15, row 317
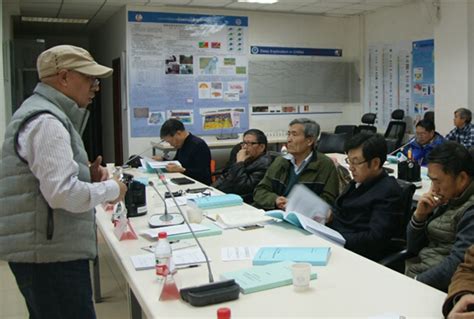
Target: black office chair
column 368, row 127
column 350, row 130
column 332, row 143
column 396, row 253
column 395, row 131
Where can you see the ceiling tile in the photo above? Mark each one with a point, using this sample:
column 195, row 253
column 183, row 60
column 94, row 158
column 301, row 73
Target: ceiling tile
column 167, row 2
column 281, row 7
column 298, row 2
column 243, row 5
column 48, row 10
column 28, row 2
column 346, row 11
column 312, row 9
column 210, row 3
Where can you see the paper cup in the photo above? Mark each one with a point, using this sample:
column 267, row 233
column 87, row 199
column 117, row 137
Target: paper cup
column 195, row 215
column 301, row 276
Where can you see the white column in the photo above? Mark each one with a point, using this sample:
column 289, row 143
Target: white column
column 452, row 68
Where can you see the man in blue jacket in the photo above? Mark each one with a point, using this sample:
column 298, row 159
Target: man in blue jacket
column 367, row 213
column 426, row 139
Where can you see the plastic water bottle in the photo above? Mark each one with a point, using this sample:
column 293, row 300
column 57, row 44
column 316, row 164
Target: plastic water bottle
column 162, row 255
column 223, row 313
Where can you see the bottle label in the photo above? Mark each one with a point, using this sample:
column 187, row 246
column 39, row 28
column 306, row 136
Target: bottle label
column 161, row 267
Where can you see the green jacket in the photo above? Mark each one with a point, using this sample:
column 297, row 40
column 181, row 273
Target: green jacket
column 319, row 175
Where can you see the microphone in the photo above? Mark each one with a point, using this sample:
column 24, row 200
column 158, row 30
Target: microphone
column 401, row 147
column 213, row 292
column 160, row 220
column 138, row 155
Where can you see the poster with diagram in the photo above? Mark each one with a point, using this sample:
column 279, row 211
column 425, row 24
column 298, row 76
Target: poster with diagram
column 423, row 89
column 191, row 67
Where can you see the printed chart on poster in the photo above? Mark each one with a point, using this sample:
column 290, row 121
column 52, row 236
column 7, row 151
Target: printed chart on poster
column 423, row 77
column 187, row 66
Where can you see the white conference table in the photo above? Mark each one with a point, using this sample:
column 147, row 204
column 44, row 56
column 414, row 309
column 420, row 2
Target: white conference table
column 425, row 181
column 349, row 286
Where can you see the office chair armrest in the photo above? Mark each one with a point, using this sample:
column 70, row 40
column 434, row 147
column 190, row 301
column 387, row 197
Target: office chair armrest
column 396, row 261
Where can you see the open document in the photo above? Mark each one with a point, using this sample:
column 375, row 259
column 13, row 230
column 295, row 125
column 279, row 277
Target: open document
column 149, row 163
column 307, row 203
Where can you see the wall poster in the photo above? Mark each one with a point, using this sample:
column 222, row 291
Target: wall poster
column 188, row 66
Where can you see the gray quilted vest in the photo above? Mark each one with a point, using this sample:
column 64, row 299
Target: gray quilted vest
column 31, row 231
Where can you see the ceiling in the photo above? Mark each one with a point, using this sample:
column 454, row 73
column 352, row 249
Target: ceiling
column 99, row 11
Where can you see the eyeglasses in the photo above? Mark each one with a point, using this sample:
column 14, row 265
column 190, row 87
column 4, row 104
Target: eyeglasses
column 348, row 161
column 95, row 82
column 248, row 143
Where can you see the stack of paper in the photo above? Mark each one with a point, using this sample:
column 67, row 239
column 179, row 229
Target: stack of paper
column 316, row 256
column 263, row 277
column 240, row 218
column 181, row 258
column 219, row 201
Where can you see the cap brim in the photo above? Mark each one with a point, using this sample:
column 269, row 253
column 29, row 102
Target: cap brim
column 96, row 70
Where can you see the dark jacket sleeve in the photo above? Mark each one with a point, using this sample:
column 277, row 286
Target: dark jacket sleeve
column 462, row 281
column 199, row 166
column 383, row 223
column 440, row 275
column 241, row 178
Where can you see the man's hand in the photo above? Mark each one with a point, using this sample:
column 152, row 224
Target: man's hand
column 173, row 168
column 123, row 190
column 280, row 202
column 460, row 308
column 98, row 172
column 241, row 156
column 426, row 204
column 157, row 158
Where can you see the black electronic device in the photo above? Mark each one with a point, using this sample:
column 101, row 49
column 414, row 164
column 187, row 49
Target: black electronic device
column 175, row 194
column 409, row 171
column 182, row 181
column 135, row 197
column 197, row 190
column 213, row 292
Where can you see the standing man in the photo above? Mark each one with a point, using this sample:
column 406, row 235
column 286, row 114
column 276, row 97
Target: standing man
column 442, row 227
column 426, row 139
column 250, row 165
column 463, row 133
column 367, row 213
column 192, row 152
column 302, row 165
column 48, row 190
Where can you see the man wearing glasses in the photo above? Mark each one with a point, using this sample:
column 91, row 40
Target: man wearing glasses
column 302, row 165
column 248, row 167
column 426, row 140
column 48, row 189
column 367, row 213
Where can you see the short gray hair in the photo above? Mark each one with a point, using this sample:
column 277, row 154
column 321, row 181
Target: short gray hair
column 311, row 128
column 465, row 114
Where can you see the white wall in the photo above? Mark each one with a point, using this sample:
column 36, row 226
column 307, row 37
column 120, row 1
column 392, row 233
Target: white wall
column 286, row 30
column 451, row 63
column 107, row 44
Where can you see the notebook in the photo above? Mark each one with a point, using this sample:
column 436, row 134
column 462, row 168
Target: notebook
column 316, row 256
column 218, row 201
column 260, row 278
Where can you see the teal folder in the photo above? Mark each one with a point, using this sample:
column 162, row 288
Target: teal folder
column 316, row 256
column 208, row 202
column 260, row 278
column 212, row 231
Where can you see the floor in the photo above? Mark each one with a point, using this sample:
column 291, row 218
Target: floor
column 114, row 290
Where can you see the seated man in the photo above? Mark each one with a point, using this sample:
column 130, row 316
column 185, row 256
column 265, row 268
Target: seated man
column 303, row 165
column 463, row 133
column 426, row 139
column 461, row 289
column 192, row 152
column 442, row 227
column 248, row 168
column 367, row 213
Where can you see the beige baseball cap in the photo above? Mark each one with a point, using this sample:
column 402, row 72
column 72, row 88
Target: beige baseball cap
column 71, row 58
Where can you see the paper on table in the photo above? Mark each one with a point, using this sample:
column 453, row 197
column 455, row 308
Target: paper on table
column 159, row 164
column 239, row 253
column 181, row 257
column 307, row 203
column 182, row 200
column 240, row 218
column 173, row 230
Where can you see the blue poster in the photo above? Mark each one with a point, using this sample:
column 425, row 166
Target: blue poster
column 423, row 88
column 191, row 67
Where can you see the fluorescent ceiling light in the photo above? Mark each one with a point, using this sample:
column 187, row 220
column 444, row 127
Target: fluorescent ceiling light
column 259, row 1
column 54, row 20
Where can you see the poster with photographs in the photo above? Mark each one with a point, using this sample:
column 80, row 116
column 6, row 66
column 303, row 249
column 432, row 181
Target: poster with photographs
column 182, row 64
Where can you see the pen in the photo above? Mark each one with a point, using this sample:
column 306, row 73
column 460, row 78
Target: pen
column 187, row 266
